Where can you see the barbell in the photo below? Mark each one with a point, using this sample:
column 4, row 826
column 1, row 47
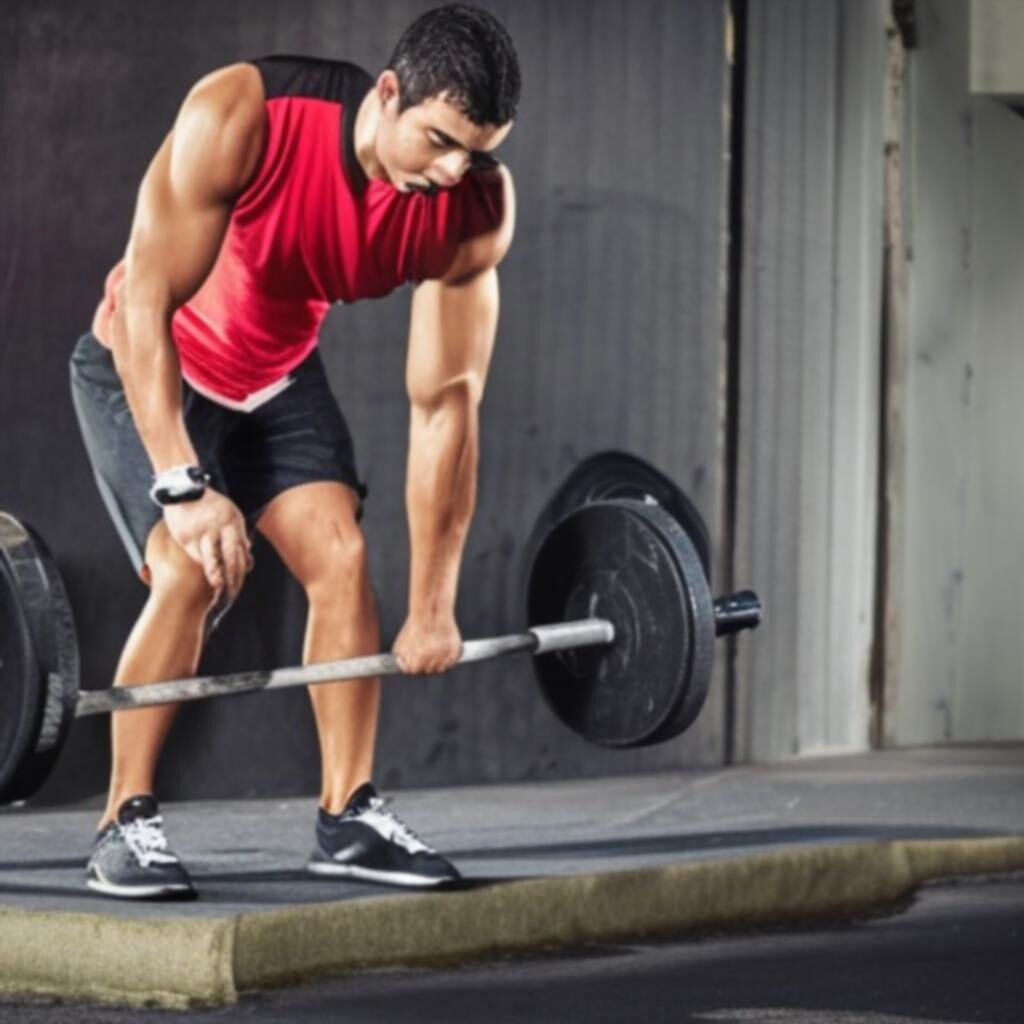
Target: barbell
column 617, row 575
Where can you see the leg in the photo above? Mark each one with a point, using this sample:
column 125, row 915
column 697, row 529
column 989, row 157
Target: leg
column 313, row 528
column 165, row 644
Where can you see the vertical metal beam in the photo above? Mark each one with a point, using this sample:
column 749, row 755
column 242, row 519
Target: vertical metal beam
column 736, row 55
column 892, row 457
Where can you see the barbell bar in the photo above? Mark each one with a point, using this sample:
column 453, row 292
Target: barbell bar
column 733, row 613
column 537, row 640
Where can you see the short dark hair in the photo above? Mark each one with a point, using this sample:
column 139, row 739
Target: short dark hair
column 464, row 52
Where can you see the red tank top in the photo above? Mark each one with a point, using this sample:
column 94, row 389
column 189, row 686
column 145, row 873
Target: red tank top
column 310, row 230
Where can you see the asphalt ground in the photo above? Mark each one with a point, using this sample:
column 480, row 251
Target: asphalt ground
column 546, row 865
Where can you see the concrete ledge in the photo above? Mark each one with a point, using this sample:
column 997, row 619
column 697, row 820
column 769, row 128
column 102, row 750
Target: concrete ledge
column 179, row 963
column 171, row 963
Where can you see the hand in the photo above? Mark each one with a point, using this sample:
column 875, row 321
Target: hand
column 212, row 532
column 428, row 645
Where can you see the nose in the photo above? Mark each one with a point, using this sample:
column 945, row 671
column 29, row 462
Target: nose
column 449, row 169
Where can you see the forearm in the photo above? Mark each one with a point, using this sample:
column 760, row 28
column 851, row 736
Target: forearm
column 440, row 496
column 147, row 362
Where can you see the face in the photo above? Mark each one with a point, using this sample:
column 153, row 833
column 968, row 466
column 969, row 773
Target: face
column 428, row 146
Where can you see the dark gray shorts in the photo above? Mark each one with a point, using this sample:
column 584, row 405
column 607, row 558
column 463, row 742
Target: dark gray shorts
column 298, row 437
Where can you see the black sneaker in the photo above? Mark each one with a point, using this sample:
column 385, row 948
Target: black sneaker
column 367, row 841
column 130, row 858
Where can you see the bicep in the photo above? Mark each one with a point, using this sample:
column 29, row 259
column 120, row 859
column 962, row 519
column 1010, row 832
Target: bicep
column 451, row 337
column 454, row 320
column 175, row 238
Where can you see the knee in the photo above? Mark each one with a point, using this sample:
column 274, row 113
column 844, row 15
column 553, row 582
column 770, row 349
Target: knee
column 337, row 565
column 177, row 577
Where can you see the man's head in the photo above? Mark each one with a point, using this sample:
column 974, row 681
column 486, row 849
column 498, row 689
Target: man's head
column 449, row 92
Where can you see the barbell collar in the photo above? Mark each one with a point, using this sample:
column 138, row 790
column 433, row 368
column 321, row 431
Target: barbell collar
column 540, row 639
column 735, row 612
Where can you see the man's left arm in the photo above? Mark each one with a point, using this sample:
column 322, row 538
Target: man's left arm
column 452, row 330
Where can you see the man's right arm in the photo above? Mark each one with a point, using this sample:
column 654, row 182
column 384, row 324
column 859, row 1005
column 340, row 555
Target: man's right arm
column 181, row 216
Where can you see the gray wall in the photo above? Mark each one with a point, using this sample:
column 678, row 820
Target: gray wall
column 959, row 640
column 811, row 330
column 610, row 337
column 996, row 63
column 989, row 702
column 809, row 365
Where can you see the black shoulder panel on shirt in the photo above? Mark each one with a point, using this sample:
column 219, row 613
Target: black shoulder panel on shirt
column 335, row 80
column 310, row 77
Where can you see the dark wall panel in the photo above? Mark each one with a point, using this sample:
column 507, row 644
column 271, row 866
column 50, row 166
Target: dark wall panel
column 610, row 337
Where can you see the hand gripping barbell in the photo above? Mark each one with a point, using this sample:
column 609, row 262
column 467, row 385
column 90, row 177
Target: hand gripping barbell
column 623, row 659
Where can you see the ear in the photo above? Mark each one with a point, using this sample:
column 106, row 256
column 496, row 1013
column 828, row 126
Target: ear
column 388, row 90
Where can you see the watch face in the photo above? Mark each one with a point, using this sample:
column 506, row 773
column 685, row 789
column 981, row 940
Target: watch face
column 168, row 497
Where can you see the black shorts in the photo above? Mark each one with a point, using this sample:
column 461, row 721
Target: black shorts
column 299, row 436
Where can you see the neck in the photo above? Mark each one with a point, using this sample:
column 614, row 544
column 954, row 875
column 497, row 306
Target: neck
column 367, row 120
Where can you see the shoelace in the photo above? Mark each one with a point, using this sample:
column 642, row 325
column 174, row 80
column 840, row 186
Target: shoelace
column 146, row 839
column 392, row 827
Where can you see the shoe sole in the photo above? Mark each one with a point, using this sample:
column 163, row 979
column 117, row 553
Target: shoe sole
column 139, row 892
column 407, row 881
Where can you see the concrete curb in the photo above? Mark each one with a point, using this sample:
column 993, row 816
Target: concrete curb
column 179, row 963
column 174, row 963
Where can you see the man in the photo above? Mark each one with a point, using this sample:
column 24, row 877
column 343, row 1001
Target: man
column 285, row 185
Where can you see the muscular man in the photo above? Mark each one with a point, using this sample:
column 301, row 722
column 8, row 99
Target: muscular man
column 288, row 184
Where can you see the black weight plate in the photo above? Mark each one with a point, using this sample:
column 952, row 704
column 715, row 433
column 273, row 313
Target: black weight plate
column 610, row 475
column 20, row 692
column 40, row 687
column 702, row 612
column 631, row 563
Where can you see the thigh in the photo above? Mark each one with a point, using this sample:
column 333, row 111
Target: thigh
column 299, row 437
column 314, row 528
column 118, row 459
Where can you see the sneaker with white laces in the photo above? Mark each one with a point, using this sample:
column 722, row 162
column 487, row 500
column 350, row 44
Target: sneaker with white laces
column 130, row 858
column 369, row 842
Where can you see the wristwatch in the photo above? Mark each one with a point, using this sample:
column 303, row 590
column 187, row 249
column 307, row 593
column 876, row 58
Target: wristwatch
column 179, row 484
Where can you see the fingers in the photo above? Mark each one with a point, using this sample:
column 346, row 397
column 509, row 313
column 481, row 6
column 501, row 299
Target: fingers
column 211, row 560
column 226, row 558
column 212, row 533
column 236, row 560
column 444, row 660
column 415, row 660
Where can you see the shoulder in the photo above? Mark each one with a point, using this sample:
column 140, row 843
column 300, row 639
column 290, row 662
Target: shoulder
column 486, row 250
column 233, row 93
column 224, row 115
